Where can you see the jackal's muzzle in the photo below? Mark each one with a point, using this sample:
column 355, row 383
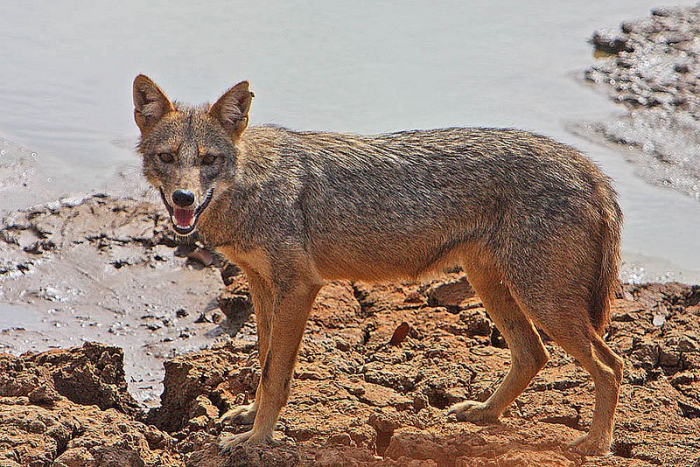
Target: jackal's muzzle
column 184, row 219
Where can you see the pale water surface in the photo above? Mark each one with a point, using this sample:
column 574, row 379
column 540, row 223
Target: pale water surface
column 362, row 66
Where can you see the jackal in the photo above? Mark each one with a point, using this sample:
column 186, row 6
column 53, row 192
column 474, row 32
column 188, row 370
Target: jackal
column 533, row 222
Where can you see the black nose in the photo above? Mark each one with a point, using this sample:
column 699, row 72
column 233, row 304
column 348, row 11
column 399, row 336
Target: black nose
column 183, row 198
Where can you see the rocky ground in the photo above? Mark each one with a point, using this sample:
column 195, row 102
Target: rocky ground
column 378, row 366
column 652, row 67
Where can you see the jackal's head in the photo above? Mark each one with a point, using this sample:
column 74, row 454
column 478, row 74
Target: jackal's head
column 189, row 153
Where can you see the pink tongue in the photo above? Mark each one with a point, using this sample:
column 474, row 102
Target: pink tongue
column 183, row 217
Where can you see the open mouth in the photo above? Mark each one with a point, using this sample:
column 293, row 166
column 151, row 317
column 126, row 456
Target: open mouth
column 185, row 219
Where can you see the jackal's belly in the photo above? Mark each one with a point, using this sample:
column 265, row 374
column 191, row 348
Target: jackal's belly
column 372, row 259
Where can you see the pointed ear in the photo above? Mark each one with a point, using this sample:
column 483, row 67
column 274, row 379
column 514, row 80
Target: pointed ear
column 150, row 103
column 231, row 110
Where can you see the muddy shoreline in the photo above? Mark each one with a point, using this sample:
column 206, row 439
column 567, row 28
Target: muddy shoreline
column 651, row 66
column 104, row 269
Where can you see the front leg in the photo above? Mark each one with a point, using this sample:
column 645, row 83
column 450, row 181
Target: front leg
column 263, row 302
column 292, row 304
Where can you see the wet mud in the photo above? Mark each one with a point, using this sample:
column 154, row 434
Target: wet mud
column 651, row 66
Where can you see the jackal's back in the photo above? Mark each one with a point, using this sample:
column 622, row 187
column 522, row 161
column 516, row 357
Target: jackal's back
column 407, row 198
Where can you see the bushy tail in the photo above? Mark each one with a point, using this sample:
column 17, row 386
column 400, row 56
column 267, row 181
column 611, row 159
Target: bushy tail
column 610, row 236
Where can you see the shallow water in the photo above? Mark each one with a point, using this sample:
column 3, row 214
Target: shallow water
column 23, row 329
column 14, row 316
column 354, row 66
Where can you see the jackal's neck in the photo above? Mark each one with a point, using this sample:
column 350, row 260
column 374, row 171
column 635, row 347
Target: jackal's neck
column 258, row 154
column 221, row 220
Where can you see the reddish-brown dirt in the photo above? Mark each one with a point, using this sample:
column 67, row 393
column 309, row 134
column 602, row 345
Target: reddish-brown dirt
column 358, row 398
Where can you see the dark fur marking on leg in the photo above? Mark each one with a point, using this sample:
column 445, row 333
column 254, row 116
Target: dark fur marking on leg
column 266, row 369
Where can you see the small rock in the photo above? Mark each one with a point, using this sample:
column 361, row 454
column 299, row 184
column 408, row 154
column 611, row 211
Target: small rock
column 623, row 318
column 38, row 248
column 79, row 456
column 228, row 272
column 450, row 294
column 415, row 297
column 342, row 345
column 201, row 256
column 609, row 41
column 340, row 439
column 420, row 401
column 645, row 354
column 669, row 359
column 203, row 318
column 44, row 395
column 660, row 314
column 384, row 421
column 478, row 324
column 234, row 305
column 688, row 344
column 400, row 334
column 155, row 325
column 684, row 378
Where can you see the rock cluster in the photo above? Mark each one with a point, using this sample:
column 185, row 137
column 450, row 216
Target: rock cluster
column 652, row 66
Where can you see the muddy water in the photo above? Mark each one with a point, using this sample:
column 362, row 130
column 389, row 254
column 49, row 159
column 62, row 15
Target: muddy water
column 15, row 316
column 65, row 105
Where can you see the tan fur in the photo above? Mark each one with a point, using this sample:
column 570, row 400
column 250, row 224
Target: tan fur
column 535, row 225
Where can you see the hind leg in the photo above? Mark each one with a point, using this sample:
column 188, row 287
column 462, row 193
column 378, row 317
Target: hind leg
column 570, row 327
column 606, row 368
column 528, row 354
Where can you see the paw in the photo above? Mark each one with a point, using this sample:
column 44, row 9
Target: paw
column 590, row 446
column 241, row 415
column 227, row 443
column 475, row 412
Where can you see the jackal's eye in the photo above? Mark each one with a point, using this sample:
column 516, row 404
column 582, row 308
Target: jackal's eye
column 166, row 157
column 208, row 159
